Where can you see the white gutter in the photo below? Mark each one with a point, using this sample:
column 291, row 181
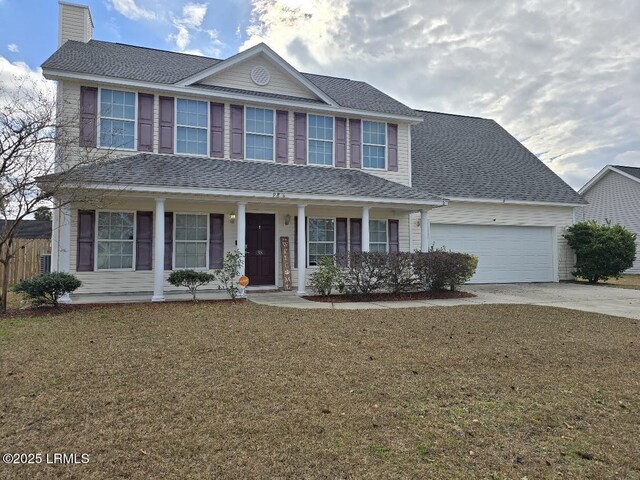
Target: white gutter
column 512, row 202
column 201, row 92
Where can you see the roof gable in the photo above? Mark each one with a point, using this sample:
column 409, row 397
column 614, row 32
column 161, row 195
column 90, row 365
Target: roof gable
column 261, row 69
column 96, row 59
column 632, row 173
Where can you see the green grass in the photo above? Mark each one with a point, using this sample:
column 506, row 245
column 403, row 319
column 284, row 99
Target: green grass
column 207, row 390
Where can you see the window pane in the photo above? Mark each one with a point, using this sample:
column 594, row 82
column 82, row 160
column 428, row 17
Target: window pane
column 192, row 140
column 116, row 133
column 191, row 113
column 259, row 147
column 373, row 156
column 259, row 120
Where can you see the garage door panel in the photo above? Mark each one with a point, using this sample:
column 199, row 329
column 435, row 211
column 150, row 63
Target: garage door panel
column 505, row 254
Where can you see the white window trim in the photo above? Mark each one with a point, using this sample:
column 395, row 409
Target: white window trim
column 95, row 247
column 386, row 145
column 333, row 141
column 386, row 229
column 175, row 130
column 135, row 120
column 309, row 237
column 244, row 134
column 173, row 253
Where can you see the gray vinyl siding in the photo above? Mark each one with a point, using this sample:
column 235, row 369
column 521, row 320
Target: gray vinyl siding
column 616, row 198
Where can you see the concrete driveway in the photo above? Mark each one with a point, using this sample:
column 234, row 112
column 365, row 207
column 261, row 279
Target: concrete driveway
column 621, row 302
column 609, row 300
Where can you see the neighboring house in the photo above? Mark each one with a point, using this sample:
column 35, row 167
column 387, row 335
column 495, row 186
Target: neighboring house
column 210, row 155
column 31, row 249
column 614, row 195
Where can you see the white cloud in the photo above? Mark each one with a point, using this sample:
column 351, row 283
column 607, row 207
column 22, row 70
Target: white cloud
column 186, row 25
column 17, row 76
column 12, row 47
column 560, row 76
column 131, row 10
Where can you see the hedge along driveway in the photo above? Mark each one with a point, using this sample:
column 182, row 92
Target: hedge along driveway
column 203, row 390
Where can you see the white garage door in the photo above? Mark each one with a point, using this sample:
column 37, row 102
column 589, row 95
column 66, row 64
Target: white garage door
column 505, row 254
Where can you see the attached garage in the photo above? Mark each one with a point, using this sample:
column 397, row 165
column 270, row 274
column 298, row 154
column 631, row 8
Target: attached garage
column 506, row 254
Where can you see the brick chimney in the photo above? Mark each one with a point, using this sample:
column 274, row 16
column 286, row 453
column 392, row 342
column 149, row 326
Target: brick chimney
column 74, row 23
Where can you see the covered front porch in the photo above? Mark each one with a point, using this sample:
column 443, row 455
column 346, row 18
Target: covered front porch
column 128, row 244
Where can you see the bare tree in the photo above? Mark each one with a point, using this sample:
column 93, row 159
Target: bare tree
column 38, row 137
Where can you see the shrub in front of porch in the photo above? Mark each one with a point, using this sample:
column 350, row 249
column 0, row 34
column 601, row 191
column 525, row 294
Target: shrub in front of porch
column 47, row 288
column 191, row 280
column 229, row 272
column 363, row 272
column 327, row 277
column 438, row 269
column 397, row 272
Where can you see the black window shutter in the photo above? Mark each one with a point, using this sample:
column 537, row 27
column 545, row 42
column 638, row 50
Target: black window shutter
column 341, row 236
column 394, row 240
column 216, row 240
column 144, row 240
column 86, row 240
column 168, row 240
column 356, row 235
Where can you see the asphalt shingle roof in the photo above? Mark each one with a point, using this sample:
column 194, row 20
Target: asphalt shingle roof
column 157, row 170
column 457, row 156
column 150, row 65
column 633, row 171
column 31, row 228
column 126, row 61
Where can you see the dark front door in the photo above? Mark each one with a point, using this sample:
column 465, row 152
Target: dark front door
column 261, row 249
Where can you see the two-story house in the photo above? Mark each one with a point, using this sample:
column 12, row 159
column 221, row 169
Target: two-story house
column 211, row 155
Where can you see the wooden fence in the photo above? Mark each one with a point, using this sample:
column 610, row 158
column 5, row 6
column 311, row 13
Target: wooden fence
column 26, row 258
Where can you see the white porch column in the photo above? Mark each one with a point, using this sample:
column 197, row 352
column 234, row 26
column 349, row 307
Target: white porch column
column 64, row 244
column 55, row 236
column 365, row 229
column 242, row 232
column 64, row 239
column 424, row 231
column 302, row 253
column 158, row 252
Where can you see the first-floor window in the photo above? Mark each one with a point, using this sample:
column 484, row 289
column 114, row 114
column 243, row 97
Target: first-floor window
column 191, row 241
column 322, row 239
column 115, row 240
column 378, row 235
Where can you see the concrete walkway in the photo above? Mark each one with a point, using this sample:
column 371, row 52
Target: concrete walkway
column 608, row 300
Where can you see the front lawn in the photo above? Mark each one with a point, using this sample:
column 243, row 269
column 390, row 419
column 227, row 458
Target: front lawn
column 247, row 391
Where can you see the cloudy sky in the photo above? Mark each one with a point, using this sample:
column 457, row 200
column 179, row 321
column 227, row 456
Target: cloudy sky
column 563, row 76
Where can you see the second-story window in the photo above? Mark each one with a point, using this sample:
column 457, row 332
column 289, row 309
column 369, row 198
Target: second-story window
column 374, row 143
column 192, row 124
column 259, row 133
column 117, row 119
column 320, row 140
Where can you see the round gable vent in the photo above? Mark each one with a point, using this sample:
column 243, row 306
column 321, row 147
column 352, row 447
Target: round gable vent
column 260, row 75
